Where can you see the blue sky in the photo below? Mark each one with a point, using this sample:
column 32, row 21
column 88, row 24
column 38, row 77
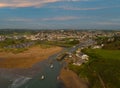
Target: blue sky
column 60, row 14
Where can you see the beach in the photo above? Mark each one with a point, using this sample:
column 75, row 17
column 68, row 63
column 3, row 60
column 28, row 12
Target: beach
column 27, row 58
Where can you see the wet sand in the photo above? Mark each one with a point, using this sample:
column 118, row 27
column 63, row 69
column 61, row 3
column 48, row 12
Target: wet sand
column 27, row 58
column 71, row 80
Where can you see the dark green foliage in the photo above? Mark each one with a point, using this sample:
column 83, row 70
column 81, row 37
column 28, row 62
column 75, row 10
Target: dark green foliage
column 63, row 43
column 15, row 45
column 16, row 31
column 13, row 42
column 111, row 43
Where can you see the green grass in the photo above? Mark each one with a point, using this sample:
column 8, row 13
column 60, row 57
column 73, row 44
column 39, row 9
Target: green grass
column 65, row 43
column 105, row 63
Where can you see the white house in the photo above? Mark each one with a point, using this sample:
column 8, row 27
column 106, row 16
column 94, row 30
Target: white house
column 97, row 47
column 78, row 64
column 85, row 57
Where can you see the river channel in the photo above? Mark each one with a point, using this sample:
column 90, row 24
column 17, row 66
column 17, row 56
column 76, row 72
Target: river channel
column 31, row 78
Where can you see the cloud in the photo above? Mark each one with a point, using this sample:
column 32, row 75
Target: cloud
column 25, row 3
column 64, row 18
column 3, row 5
column 108, row 23
column 116, row 19
column 18, row 19
column 31, row 3
column 78, row 8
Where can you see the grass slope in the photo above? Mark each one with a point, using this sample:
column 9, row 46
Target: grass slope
column 102, row 70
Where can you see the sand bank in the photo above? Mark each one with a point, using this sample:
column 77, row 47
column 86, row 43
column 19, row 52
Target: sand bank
column 27, row 58
column 71, row 80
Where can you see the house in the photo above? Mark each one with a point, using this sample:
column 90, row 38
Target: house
column 96, row 47
column 78, row 64
column 85, row 57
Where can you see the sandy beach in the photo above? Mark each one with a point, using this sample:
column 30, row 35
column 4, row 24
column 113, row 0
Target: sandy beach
column 71, row 80
column 27, row 58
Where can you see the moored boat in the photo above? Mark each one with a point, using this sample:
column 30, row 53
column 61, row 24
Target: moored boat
column 42, row 77
column 51, row 66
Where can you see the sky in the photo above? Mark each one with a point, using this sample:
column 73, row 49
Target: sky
column 60, row 14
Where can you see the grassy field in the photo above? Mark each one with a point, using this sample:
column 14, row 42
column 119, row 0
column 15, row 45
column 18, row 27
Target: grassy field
column 102, row 70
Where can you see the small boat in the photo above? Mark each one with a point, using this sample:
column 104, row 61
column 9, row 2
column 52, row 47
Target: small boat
column 51, row 66
column 58, row 77
column 42, row 77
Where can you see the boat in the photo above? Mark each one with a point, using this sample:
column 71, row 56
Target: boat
column 58, row 78
column 51, row 66
column 42, row 77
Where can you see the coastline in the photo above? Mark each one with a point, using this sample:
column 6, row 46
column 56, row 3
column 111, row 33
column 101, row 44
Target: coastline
column 27, row 58
column 71, row 80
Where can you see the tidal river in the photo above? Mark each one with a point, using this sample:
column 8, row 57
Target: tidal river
column 41, row 75
column 32, row 78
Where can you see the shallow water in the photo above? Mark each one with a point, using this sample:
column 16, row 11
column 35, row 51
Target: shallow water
column 31, row 78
